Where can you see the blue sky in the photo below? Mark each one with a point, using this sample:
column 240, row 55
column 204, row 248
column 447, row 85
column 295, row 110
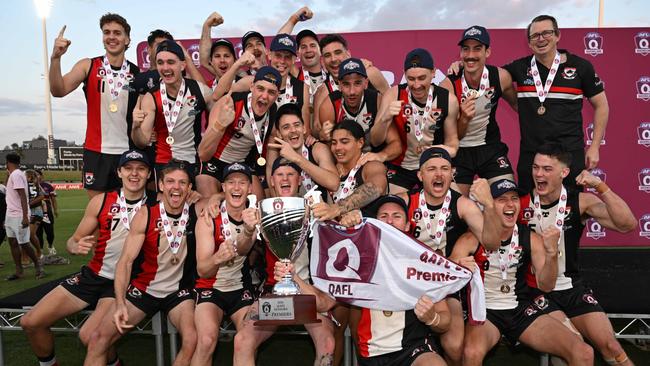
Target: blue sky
column 22, row 110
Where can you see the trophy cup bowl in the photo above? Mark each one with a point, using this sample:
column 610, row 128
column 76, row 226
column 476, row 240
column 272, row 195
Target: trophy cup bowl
column 284, row 227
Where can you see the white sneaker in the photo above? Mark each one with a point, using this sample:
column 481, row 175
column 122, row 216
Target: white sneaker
column 52, row 251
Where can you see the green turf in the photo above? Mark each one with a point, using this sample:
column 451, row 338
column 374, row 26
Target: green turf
column 53, row 175
column 139, row 349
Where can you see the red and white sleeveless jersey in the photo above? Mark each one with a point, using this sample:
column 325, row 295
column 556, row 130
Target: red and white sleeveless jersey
column 238, row 140
column 112, row 234
column 153, row 271
column 381, row 332
column 230, row 276
column 107, row 132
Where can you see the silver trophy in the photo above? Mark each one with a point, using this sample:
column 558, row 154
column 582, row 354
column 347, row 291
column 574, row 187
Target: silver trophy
column 285, row 224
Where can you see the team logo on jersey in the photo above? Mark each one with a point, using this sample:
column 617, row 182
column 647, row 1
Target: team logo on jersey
column 367, row 118
column 600, row 174
column 593, row 44
column 115, row 209
column 129, row 77
column 595, row 230
column 159, row 224
column 134, row 292
column 278, row 205
column 435, row 115
column 503, row 162
column 101, row 73
column 408, row 110
column 240, row 123
column 527, row 214
column 644, row 180
column 151, row 83
column 642, row 43
column 489, row 93
column 644, row 134
column 569, row 73
column 643, row 88
column 73, row 281
column 644, row 226
column 89, row 177
column 191, row 101
column 206, row 294
column 417, row 214
column 589, row 134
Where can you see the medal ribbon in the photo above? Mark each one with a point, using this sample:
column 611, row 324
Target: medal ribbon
column 225, row 224
column 115, row 83
column 505, row 260
column 542, row 93
column 313, row 86
column 306, row 179
column 441, row 217
column 171, row 112
column 256, row 131
column 419, row 120
column 559, row 214
column 485, row 83
column 124, row 212
column 174, row 240
column 288, row 93
column 346, row 190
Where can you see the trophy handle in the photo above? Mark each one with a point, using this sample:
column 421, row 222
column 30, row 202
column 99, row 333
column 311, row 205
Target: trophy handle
column 302, row 240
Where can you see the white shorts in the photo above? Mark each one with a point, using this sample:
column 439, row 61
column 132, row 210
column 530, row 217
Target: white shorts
column 15, row 229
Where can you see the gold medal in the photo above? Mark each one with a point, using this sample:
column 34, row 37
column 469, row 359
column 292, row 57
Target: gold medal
column 541, row 110
column 112, row 107
column 505, row 288
column 388, row 313
column 261, row 161
column 175, row 259
column 169, row 140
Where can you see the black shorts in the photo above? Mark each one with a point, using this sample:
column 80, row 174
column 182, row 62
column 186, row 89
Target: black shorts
column 229, row 302
column 575, row 301
column 100, row 171
column 213, row 167
column 513, row 322
column 525, row 170
column 486, row 161
column 151, row 305
column 88, row 286
column 403, row 177
column 404, row 357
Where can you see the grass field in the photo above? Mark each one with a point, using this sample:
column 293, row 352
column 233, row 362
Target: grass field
column 53, row 175
column 139, row 349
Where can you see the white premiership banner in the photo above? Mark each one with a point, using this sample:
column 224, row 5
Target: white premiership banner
column 375, row 266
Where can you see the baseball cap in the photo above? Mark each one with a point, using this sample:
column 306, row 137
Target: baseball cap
column 280, row 161
column 305, row 33
column 283, row 42
column 478, row 33
column 249, row 35
column 171, row 46
column 505, row 185
column 134, row 155
column 270, row 74
column 389, row 198
column 418, row 57
column 237, row 168
column 352, row 66
column 434, row 152
column 225, row 43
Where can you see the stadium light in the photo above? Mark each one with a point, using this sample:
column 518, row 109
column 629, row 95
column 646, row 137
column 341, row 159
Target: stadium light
column 43, row 8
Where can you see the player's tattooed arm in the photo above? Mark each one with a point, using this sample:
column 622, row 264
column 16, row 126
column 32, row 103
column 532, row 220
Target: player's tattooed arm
column 361, row 197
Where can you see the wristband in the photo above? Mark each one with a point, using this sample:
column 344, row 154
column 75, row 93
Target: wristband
column 602, row 188
column 436, row 320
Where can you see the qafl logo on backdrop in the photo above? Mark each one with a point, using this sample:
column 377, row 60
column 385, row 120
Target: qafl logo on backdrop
column 193, row 50
column 600, row 174
column 589, row 133
column 643, row 88
column 644, row 226
column 643, row 131
column 642, row 43
column 644, row 180
column 595, row 230
column 593, row 44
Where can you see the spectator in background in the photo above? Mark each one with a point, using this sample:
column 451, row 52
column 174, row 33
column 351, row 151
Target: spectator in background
column 35, row 197
column 3, row 212
column 50, row 211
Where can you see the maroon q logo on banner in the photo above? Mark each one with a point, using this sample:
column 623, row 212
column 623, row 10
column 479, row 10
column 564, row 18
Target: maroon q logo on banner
column 644, row 226
column 644, row 134
column 644, row 180
column 643, row 88
column 642, row 43
column 589, row 133
column 595, row 230
column 593, row 44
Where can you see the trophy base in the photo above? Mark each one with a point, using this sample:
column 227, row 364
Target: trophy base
column 287, row 310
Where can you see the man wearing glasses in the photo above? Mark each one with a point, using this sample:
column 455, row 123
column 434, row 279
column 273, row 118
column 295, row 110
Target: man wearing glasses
column 551, row 84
